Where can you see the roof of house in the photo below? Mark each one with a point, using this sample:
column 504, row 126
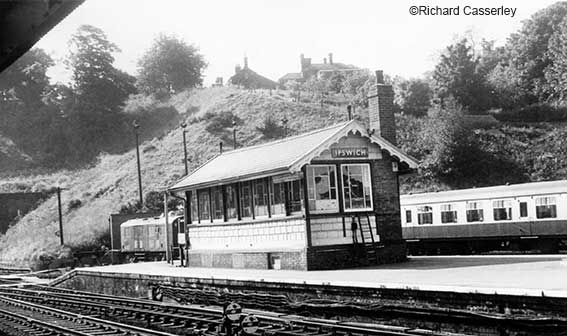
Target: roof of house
column 292, row 76
column 331, row 66
column 252, row 80
column 495, row 192
column 285, row 156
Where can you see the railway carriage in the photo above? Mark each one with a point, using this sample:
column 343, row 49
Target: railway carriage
column 145, row 238
column 530, row 216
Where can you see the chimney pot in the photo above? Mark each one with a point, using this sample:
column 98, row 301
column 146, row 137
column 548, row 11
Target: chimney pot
column 325, row 60
column 330, row 58
column 379, row 77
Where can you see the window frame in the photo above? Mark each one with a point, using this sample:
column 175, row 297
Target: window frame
column 451, row 209
column 419, row 212
column 507, row 202
column 336, row 187
column 548, row 204
column 478, row 207
column 343, row 187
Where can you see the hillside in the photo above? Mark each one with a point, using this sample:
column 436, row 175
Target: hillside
column 112, row 182
column 535, row 151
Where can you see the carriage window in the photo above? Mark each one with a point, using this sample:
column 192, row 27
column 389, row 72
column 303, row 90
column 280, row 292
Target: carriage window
column 260, row 198
column 424, row 215
column 277, row 197
column 546, row 207
column 523, row 209
column 502, row 210
column 295, row 196
column 357, row 190
column 245, row 199
column 217, row 210
column 231, row 207
column 204, row 205
column 322, row 188
column 194, row 207
column 408, row 216
column 448, row 213
column 475, row 212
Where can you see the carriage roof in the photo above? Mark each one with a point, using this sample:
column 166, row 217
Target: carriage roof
column 495, row 192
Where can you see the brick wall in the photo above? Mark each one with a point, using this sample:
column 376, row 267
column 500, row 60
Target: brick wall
column 385, row 193
column 290, row 260
column 381, row 111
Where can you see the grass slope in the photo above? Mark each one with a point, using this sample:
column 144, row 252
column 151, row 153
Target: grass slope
column 112, row 182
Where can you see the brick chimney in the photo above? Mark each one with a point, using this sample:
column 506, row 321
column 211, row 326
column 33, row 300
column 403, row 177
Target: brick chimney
column 330, row 58
column 381, row 109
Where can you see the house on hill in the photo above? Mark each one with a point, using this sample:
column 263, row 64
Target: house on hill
column 320, row 70
column 249, row 79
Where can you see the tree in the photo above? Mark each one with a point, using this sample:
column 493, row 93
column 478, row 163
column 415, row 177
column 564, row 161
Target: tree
column 556, row 73
column 357, row 85
column 456, row 77
column 169, row 66
column 99, row 92
column 413, row 96
column 526, row 72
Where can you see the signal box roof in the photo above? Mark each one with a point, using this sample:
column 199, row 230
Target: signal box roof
column 496, row 192
column 285, row 156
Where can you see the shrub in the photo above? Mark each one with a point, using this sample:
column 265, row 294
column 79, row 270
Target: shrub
column 219, row 123
column 270, row 128
column 534, row 113
column 74, row 204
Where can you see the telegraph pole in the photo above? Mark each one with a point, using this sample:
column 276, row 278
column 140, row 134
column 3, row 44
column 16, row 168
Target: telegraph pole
column 234, row 133
column 183, row 125
column 136, row 127
column 60, row 215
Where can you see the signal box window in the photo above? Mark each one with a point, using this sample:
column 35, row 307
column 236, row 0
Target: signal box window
column 295, row 196
column 231, row 206
column 448, row 213
column 502, row 210
column 408, row 216
column 194, row 207
column 322, row 188
column 277, row 196
column 424, row 215
column 260, row 198
column 204, row 205
column 246, row 199
column 474, row 212
column 523, row 209
column 546, row 207
column 357, row 190
column 217, row 203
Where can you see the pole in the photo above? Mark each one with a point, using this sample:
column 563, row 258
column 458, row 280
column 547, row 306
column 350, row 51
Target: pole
column 167, row 230
column 60, row 215
column 185, row 148
column 136, row 126
column 234, row 133
column 185, row 153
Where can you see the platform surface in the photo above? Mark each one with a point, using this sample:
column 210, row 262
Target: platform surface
column 517, row 275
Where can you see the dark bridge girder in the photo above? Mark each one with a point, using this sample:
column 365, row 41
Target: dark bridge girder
column 24, row 22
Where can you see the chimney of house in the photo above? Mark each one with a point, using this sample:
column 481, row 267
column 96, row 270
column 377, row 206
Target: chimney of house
column 325, row 60
column 381, row 109
column 237, row 69
column 245, row 62
column 330, row 58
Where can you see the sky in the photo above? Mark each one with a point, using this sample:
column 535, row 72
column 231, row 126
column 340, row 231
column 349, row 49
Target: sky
column 372, row 34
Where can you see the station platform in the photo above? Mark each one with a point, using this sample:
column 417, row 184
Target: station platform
column 524, row 275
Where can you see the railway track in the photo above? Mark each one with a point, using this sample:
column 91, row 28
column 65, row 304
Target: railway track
column 156, row 318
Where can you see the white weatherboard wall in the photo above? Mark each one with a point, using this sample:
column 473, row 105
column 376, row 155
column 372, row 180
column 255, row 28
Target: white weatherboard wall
column 271, row 234
column 329, row 231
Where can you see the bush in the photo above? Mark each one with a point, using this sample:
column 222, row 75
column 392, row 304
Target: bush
column 270, row 129
column 74, row 204
column 219, row 123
